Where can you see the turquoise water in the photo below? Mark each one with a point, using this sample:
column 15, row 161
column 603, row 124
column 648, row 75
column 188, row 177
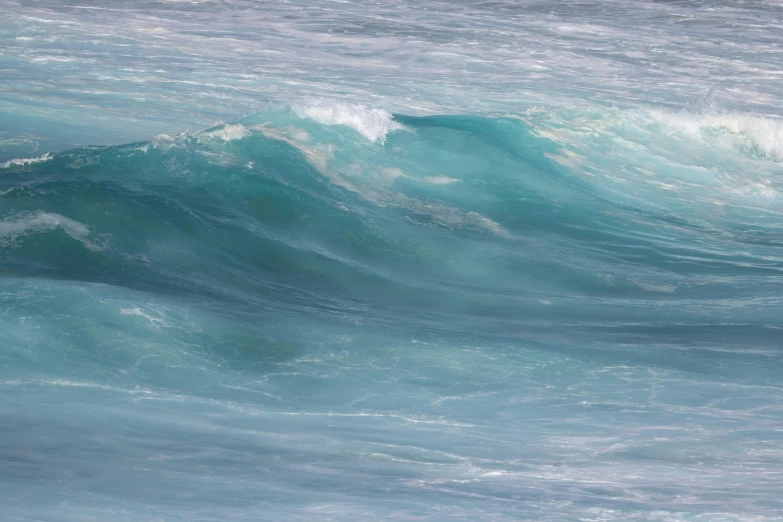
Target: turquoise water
column 341, row 306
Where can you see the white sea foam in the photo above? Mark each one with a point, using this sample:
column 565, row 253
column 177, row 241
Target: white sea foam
column 477, row 219
column 270, row 51
column 27, row 223
column 48, row 58
column 164, row 141
column 440, row 179
column 375, row 185
column 26, row 161
column 154, row 321
column 373, row 124
column 748, row 132
column 229, row 132
column 317, row 154
column 760, row 133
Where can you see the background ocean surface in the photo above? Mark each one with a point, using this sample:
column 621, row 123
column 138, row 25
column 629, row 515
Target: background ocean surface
column 412, row 260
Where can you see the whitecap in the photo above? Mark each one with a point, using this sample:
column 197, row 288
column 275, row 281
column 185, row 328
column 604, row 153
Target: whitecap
column 26, row 161
column 762, row 133
column 229, row 132
column 373, row 124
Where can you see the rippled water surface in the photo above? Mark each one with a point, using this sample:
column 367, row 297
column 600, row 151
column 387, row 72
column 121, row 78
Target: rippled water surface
column 404, row 261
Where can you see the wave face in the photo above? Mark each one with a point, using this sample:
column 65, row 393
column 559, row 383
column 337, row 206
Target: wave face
column 330, row 312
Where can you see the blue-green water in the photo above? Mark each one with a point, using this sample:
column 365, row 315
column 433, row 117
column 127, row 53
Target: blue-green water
column 548, row 286
column 279, row 318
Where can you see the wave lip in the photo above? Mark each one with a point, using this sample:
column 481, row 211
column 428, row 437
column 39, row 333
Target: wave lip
column 762, row 133
column 229, row 132
column 373, row 124
column 20, row 162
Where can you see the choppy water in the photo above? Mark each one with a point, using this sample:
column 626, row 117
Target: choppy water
column 423, row 260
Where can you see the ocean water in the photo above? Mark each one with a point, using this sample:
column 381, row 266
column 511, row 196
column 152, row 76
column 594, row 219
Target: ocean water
column 414, row 260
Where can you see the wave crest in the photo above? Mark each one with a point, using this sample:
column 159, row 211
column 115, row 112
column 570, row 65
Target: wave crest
column 373, row 124
column 229, row 132
column 761, row 134
column 26, row 161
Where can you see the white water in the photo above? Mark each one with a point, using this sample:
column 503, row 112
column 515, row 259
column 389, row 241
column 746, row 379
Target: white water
column 134, row 69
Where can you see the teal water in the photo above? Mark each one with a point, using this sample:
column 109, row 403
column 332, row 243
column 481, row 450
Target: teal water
column 413, row 260
column 462, row 318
